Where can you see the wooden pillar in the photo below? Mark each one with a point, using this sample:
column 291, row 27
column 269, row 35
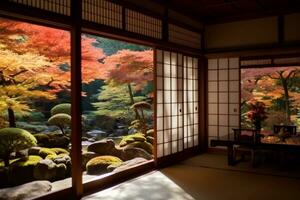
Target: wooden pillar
column 76, row 14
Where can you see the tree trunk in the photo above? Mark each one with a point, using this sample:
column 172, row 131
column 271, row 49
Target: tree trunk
column 286, row 100
column 6, row 161
column 137, row 116
column 62, row 130
column 11, row 117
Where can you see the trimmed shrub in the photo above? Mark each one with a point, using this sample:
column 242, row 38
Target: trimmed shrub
column 99, row 164
column 60, row 120
column 14, row 139
column 61, row 108
column 150, row 139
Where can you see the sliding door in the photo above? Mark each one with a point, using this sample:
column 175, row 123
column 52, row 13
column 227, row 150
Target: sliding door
column 177, row 102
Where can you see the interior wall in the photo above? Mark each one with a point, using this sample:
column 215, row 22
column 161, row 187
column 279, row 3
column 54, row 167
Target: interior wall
column 241, row 33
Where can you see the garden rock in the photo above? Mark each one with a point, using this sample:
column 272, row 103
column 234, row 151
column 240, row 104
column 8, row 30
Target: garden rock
column 34, row 150
column 127, row 164
column 45, row 170
column 87, row 156
column 103, row 147
column 131, row 153
column 61, row 171
column 26, row 191
column 21, row 170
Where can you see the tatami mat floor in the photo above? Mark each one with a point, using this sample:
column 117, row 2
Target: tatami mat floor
column 207, row 177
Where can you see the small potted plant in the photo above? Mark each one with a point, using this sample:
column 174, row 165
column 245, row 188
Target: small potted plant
column 257, row 113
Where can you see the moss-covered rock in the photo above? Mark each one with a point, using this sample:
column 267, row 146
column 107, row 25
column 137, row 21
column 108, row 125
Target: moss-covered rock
column 61, row 171
column 13, row 140
column 99, row 164
column 132, row 138
column 150, row 132
column 61, row 108
column 44, row 152
column 45, row 170
column 87, row 156
column 143, row 145
column 150, row 139
column 21, row 170
column 60, row 151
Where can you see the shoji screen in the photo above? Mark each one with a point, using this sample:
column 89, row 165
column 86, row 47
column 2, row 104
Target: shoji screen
column 177, row 115
column 223, row 96
column 57, row 6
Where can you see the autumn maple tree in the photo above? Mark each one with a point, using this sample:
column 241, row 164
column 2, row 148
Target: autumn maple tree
column 269, row 84
column 133, row 68
column 32, row 56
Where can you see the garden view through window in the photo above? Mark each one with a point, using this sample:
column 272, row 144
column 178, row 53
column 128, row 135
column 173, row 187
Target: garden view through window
column 270, row 96
column 35, row 103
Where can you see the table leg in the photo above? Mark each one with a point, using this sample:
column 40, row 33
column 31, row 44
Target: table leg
column 230, row 155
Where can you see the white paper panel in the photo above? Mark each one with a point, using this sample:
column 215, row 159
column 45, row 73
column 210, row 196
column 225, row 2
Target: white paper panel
column 223, row 86
column 196, row 140
column 167, row 149
column 212, row 75
column 234, row 63
column 159, row 69
column 223, row 109
column 212, row 108
column 174, row 146
column 223, row 120
column 174, row 121
column 180, row 145
column 234, row 120
column 159, row 97
column 174, row 134
column 167, row 96
column 160, row 137
column 173, row 58
column 160, row 150
column 234, row 86
column 167, row 109
column 223, row 131
column 234, row 74
column 160, row 110
column 223, row 97
column 223, row 75
column 213, row 131
column 167, row 135
column 212, row 64
column 167, row 70
column 213, row 86
column 159, row 123
column 212, row 97
column 223, row 63
column 174, row 96
column 234, row 97
column 190, row 142
column 212, row 119
column 234, row 108
column 167, row 57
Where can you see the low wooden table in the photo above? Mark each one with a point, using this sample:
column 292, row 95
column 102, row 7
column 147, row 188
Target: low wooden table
column 229, row 142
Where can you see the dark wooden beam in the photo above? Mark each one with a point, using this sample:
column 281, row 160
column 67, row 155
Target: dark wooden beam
column 280, row 26
column 76, row 14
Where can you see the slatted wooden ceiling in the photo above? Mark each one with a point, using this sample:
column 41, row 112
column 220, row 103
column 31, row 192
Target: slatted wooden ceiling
column 227, row 10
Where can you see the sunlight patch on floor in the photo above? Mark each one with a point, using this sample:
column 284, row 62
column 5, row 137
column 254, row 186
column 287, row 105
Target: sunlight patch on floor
column 151, row 186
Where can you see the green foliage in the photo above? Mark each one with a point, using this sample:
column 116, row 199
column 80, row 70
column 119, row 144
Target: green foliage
column 44, row 152
column 14, row 139
column 150, row 139
column 61, row 120
column 114, row 101
column 98, row 165
column 61, row 108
